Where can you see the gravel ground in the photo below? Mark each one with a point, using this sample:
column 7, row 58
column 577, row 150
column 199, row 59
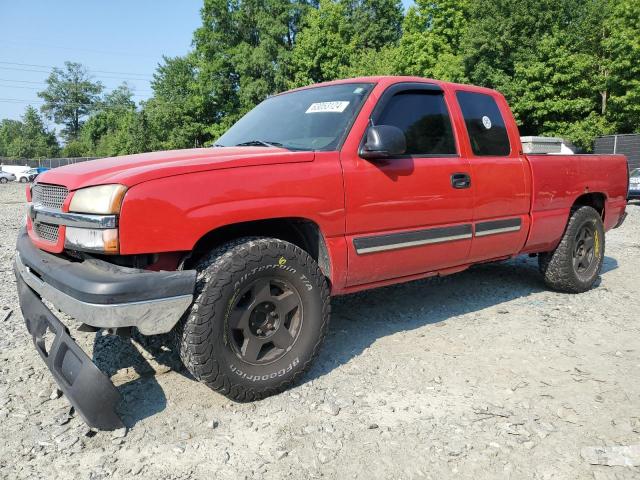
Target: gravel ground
column 484, row 375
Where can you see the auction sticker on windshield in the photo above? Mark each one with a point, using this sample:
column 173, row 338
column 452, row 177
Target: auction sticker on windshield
column 337, row 107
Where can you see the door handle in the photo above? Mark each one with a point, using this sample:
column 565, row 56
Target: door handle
column 460, row 180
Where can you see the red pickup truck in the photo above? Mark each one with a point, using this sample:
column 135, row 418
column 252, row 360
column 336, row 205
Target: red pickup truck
column 320, row 191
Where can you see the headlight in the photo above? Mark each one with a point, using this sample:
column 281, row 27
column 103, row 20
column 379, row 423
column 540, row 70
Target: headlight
column 92, row 240
column 102, row 200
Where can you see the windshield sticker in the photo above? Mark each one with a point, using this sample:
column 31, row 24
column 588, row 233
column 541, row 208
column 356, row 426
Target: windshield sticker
column 486, row 121
column 320, row 107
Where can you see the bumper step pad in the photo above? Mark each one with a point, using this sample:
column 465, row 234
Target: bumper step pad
column 89, row 390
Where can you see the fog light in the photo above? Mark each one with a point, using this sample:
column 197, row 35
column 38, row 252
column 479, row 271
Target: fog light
column 92, row 240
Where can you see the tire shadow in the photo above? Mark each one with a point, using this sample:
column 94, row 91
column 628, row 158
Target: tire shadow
column 358, row 320
column 133, row 365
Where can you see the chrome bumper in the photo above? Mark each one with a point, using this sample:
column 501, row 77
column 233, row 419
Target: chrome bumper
column 150, row 316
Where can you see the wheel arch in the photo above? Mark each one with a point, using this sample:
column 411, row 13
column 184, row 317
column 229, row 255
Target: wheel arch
column 301, row 232
column 596, row 200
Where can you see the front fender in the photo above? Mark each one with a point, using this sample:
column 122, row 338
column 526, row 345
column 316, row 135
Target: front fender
column 173, row 213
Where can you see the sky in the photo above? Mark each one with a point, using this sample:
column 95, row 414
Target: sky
column 117, row 40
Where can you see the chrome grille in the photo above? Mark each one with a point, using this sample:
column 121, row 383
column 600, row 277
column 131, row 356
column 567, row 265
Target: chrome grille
column 51, row 196
column 46, row 231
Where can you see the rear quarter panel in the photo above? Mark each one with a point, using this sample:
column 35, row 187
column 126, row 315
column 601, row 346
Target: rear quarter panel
column 557, row 182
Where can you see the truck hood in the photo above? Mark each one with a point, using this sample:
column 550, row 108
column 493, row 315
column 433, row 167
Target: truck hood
column 130, row 170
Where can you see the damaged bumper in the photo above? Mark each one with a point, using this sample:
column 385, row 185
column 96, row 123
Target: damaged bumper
column 101, row 295
column 89, row 390
column 104, row 295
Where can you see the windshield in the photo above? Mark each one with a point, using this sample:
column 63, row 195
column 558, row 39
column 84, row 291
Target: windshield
column 316, row 118
column 635, row 172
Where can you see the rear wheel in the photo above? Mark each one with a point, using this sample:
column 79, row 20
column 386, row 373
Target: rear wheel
column 260, row 314
column 575, row 264
column 3, row 180
column 23, row 180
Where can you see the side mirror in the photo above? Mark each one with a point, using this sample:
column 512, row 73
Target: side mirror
column 383, row 141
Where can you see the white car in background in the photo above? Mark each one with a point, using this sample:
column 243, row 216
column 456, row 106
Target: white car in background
column 6, row 177
column 27, row 176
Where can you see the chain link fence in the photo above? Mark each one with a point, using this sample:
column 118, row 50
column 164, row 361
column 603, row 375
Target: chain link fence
column 42, row 162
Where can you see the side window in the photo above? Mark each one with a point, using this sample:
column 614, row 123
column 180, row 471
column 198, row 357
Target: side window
column 485, row 125
column 424, row 119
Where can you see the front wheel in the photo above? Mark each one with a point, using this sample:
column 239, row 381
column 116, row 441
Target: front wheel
column 3, row 180
column 575, row 264
column 260, row 313
column 23, row 180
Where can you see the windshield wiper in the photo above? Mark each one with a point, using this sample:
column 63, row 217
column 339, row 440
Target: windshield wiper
column 259, row 143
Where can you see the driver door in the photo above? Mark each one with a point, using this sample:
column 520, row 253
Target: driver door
column 408, row 215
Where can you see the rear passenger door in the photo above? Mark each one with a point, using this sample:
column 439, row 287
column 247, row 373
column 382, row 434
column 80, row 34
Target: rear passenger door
column 499, row 174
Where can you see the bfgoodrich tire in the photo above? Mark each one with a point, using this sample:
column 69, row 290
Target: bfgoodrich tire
column 260, row 314
column 575, row 264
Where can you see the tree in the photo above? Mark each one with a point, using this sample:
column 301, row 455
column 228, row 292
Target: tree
column 568, row 67
column 503, row 32
column 554, row 95
column 376, row 23
column 325, row 45
column 69, row 97
column 430, row 45
column 623, row 46
column 240, row 51
column 100, row 131
column 28, row 138
column 120, row 98
column 346, row 37
column 9, row 131
column 181, row 112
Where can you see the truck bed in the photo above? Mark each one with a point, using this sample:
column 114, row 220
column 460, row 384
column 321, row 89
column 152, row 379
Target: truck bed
column 557, row 180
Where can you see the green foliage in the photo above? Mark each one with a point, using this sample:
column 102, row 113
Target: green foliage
column 241, row 50
column 180, row 113
column 75, row 148
column 553, row 91
column 69, row 97
column 375, row 23
column 430, row 44
column 325, row 46
column 345, row 38
column 623, row 45
column 568, row 68
column 28, row 138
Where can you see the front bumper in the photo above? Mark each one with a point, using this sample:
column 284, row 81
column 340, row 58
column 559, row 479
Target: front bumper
column 101, row 295
column 104, row 295
column 89, row 390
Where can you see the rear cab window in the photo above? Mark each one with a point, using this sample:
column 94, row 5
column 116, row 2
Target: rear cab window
column 485, row 125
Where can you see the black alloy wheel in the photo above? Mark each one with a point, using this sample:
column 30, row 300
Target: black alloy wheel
column 575, row 264
column 265, row 321
column 585, row 248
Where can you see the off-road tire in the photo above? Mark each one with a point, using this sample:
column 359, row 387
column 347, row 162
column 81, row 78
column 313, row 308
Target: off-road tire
column 558, row 267
column 204, row 339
